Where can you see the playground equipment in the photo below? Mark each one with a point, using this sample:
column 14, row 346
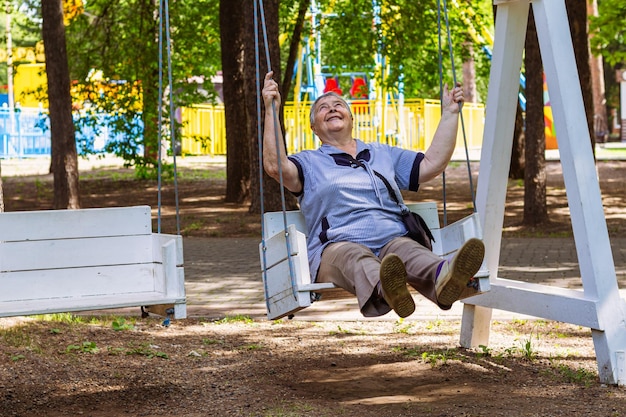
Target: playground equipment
column 598, row 306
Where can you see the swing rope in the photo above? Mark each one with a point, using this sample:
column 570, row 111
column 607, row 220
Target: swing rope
column 258, row 5
column 258, row 8
column 453, row 69
column 164, row 20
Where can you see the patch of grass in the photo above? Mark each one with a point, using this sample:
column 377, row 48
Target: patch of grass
column 195, row 225
column 202, row 174
column 67, row 318
column 401, row 327
column 433, row 357
column 85, row 347
column 212, row 342
column 120, row 324
column 239, row 318
column 578, row 376
column 147, row 350
column 43, row 188
column 252, row 346
column 527, row 350
column 484, row 351
column 439, row 357
column 17, row 337
column 435, row 324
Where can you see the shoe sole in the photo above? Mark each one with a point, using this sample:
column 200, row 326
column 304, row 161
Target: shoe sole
column 465, row 265
column 393, row 280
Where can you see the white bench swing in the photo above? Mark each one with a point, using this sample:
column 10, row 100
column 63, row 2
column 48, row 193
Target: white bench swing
column 283, row 250
column 56, row 261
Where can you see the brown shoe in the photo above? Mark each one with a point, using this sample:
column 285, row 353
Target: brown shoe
column 393, row 282
column 455, row 275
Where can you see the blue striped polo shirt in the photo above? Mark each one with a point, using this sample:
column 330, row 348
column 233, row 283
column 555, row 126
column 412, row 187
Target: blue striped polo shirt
column 343, row 200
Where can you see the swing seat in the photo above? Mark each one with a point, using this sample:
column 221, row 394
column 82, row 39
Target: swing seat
column 55, row 261
column 286, row 294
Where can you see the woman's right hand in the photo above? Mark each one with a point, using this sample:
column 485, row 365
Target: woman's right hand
column 270, row 91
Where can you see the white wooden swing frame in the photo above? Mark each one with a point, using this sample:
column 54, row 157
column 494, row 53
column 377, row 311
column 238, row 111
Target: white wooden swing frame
column 599, row 305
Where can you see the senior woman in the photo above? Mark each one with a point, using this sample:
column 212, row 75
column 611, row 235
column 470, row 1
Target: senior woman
column 356, row 237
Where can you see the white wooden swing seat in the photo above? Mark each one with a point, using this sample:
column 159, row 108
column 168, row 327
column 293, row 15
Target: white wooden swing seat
column 91, row 259
column 285, row 296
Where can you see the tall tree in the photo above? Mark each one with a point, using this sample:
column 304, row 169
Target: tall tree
column 535, row 202
column 238, row 155
column 239, row 60
column 64, row 158
column 577, row 16
column 271, row 189
column 294, row 47
column 596, row 66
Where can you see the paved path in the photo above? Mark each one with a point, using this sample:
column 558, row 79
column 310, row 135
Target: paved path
column 223, row 277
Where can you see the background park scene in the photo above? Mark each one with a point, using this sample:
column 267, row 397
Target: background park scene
column 226, row 358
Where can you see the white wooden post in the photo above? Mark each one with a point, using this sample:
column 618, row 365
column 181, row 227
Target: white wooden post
column 495, row 158
column 599, row 306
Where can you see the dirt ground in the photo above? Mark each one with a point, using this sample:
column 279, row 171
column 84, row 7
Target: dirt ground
column 108, row 365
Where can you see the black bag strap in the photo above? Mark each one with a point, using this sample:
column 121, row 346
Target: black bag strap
column 405, row 210
column 392, row 193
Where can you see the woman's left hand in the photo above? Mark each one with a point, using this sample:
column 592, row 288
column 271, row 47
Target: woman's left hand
column 450, row 100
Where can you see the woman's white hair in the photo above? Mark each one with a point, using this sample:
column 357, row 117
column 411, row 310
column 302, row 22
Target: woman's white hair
column 332, row 94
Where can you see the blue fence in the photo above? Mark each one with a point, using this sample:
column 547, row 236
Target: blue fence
column 25, row 133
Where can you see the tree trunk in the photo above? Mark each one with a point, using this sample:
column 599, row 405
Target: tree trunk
column 535, row 206
column 577, row 16
column 64, row 158
column 469, row 77
column 149, row 76
column 294, row 47
column 517, row 168
column 272, row 200
column 238, row 152
column 600, row 119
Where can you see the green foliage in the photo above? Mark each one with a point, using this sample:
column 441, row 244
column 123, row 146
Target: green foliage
column 608, row 31
column 85, row 347
column 120, row 324
column 67, row 318
column 406, row 33
column 118, row 40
